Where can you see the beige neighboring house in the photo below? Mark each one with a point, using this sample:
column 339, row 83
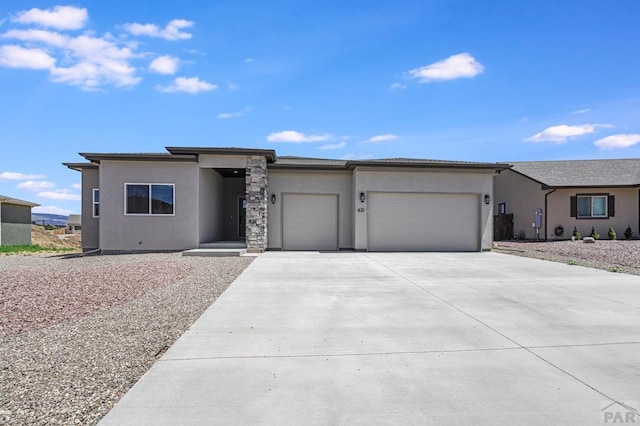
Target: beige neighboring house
column 15, row 221
column 74, row 224
column 577, row 193
column 192, row 197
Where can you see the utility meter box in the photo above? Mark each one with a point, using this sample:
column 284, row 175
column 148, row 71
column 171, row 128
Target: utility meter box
column 538, row 218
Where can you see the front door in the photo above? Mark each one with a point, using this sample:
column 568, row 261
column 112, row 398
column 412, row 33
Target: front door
column 242, row 216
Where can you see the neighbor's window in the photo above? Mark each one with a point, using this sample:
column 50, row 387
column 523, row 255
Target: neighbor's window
column 96, row 202
column 592, row 206
column 149, row 199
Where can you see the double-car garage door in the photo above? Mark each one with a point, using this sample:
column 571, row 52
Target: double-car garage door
column 422, row 222
column 395, row 221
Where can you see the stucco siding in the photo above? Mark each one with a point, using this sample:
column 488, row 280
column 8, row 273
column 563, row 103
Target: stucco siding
column 311, row 182
column 210, row 193
column 413, row 181
column 13, row 213
column 90, row 224
column 120, row 232
column 13, row 234
column 626, row 212
column 522, row 197
column 222, row 161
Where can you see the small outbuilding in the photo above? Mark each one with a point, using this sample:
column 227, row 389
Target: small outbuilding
column 15, row 221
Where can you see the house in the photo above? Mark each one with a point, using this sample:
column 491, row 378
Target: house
column 74, row 224
column 578, row 193
column 189, row 197
column 15, row 221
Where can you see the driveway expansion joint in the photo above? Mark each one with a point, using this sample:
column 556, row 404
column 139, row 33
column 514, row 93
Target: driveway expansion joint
column 618, row 401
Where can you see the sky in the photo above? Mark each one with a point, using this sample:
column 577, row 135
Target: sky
column 495, row 81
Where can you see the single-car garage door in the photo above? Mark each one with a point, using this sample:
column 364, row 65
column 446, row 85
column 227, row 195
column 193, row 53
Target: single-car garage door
column 423, row 222
column 310, row 222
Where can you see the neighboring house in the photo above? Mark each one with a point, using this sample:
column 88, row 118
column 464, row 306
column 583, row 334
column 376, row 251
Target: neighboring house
column 577, row 193
column 192, row 196
column 15, row 221
column 74, row 224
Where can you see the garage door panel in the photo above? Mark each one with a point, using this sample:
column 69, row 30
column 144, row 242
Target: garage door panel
column 310, row 222
column 423, row 222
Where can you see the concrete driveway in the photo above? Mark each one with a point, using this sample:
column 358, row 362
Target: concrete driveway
column 401, row 338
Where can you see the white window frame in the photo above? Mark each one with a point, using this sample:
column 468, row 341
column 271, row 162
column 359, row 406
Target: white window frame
column 150, row 199
column 94, row 203
column 592, row 216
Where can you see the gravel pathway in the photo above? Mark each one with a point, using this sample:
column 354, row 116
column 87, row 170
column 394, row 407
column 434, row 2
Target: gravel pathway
column 611, row 255
column 86, row 329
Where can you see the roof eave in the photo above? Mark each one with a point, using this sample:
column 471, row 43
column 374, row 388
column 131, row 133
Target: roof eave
column 269, row 154
column 496, row 167
column 97, row 157
column 78, row 167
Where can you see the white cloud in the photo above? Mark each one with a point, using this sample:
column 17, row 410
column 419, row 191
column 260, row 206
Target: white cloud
column 562, row 133
column 581, row 111
column 398, row 86
column 333, row 146
column 19, row 57
column 19, row 176
column 76, row 185
column 41, row 36
column 164, row 64
column 292, row 136
column 382, row 138
column 32, row 185
column 171, row 32
column 617, row 141
column 92, row 61
column 357, row 157
column 227, row 115
column 60, row 194
column 60, row 17
column 248, row 60
column 51, row 210
column 462, row 65
column 191, row 85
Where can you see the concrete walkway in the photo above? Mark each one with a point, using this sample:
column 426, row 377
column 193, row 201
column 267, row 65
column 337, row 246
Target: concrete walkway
column 400, row 338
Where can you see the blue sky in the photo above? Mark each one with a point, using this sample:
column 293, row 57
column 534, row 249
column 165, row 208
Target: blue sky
column 458, row 80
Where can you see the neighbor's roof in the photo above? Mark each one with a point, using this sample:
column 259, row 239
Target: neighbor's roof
column 74, row 218
column 582, row 173
column 10, row 200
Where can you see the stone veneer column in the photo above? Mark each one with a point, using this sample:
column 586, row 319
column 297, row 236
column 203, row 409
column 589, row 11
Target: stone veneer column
column 256, row 195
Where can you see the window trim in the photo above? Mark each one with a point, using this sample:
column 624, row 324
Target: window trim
column 591, row 196
column 173, row 185
column 95, row 203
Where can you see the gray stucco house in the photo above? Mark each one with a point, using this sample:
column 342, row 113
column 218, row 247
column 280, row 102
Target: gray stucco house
column 15, row 221
column 190, row 197
column 573, row 193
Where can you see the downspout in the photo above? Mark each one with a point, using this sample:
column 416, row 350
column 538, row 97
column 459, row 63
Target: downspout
column 546, row 216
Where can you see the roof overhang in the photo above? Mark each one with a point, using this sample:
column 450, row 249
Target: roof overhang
column 269, row 154
column 78, row 167
column 496, row 167
column 97, row 157
column 16, row 201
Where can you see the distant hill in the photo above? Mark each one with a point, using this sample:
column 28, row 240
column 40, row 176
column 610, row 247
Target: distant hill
column 49, row 219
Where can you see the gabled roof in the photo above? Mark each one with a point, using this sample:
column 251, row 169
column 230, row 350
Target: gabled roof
column 16, row 201
column 582, row 173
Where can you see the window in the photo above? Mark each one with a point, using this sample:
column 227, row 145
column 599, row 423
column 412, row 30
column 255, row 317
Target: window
column 149, row 199
column 592, row 206
column 502, row 208
column 96, row 202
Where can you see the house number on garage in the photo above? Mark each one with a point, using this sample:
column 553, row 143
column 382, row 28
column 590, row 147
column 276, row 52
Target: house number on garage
column 361, row 209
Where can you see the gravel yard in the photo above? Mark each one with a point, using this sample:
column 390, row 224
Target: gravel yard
column 76, row 334
column 611, row 255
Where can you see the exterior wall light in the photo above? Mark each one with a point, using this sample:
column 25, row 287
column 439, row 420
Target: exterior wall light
column 273, row 198
column 487, row 199
column 362, row 197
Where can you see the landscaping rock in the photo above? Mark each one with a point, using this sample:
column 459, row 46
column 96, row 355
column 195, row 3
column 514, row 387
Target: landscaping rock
column 589, row 240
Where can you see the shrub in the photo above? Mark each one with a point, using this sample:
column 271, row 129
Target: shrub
column 594, row 234
column 576, row 233
column 612, row 233
column 628, row 232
